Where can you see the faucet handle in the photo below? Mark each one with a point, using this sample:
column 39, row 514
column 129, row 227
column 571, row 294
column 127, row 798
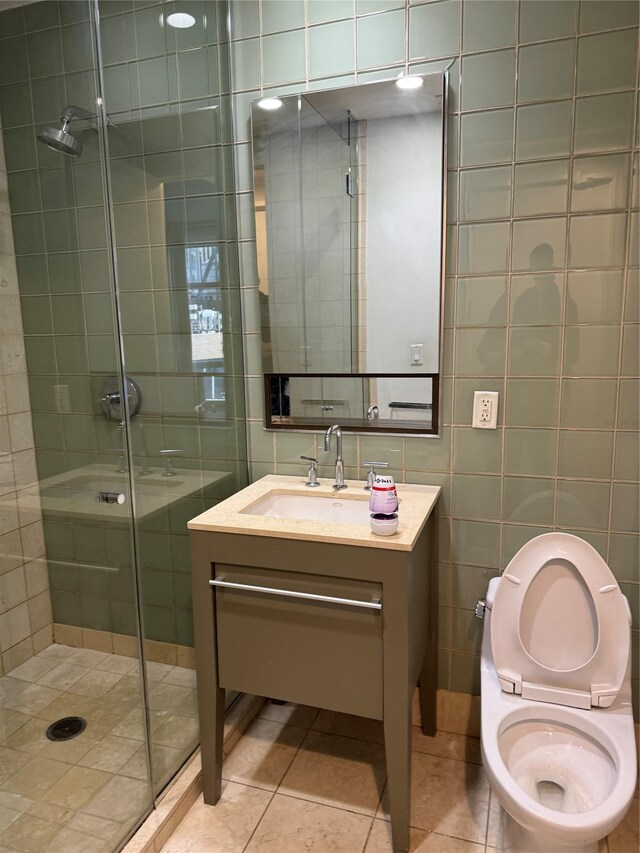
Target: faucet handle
column 312, row 476
column 372, row 472
column 168, row 461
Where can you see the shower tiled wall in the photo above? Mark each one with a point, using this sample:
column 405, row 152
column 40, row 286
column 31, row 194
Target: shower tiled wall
column 172, row 189
column 542, row 270
column 25, row 600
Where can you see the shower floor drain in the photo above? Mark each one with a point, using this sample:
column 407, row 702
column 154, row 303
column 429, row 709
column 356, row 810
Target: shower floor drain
column 66, row 728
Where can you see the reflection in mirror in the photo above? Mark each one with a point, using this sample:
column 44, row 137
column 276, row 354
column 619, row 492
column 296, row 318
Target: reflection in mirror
column 381, row 403
column 349, row 211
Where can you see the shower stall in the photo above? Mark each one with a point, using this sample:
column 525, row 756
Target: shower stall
column 121, row 398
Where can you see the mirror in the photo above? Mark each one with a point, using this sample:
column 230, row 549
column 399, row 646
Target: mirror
column 349, row 187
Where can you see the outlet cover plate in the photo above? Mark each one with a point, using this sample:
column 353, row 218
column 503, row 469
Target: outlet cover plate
column 485, row 410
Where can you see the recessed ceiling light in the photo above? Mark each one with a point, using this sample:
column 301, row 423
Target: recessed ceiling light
column 270, row 103
column 180, row 20
column 408, row 81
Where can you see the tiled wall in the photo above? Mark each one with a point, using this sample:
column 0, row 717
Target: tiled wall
column 25, row 600
column 172, row 188
column 542, row 270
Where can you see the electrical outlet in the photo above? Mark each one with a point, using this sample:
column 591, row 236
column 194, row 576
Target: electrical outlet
column 485, row 409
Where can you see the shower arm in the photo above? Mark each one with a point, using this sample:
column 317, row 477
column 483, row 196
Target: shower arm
column 71, row 111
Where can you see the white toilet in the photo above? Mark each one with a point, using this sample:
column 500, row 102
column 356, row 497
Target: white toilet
column 558, row 739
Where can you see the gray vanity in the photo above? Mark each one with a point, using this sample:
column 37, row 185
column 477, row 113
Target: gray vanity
column 308, row 609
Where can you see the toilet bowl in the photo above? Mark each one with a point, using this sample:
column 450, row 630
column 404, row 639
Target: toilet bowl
column 558, row 740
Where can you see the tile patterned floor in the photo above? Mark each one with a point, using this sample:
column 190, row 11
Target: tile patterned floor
column 83, row 796
column 305, row 780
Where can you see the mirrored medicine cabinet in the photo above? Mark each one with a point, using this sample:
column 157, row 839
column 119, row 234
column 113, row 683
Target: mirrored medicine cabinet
column 350, row 210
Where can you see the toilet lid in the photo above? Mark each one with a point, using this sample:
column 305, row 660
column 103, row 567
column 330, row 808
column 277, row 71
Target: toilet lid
column 560, row 624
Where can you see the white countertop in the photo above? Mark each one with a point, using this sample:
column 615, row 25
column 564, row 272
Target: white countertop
column 415, row 506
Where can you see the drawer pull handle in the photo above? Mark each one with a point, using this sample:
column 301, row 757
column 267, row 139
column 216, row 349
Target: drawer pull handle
column 375, row 604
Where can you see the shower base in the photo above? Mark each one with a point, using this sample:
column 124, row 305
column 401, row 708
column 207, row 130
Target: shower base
column 86, row 793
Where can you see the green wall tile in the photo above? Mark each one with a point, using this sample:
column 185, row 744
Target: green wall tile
column 483, row 248
column 490, row 80
column 532, row 402
column 433, row 454
column 605, row 16
column 477, row 450
column 481, row 301
column 476, row 496
column 24, row 191
column 594, row 296
column 591, row 350
column 530, row 451
column 538, row 244
column 625, row 508
column 553, row 19
column 600, row 183
column 475, row 543
column 580, row 503
column 489, row 24
column 514, row 536
column 630, row 365
column 541, row 188
column 627, row 462
column 331, row 49
column 528, row 499
column 607, row 61
column 536, row 300
column 624, row 556
column 480, row 352
column 534, row 351
column 485, row 193
column 544, row 130
column 546, row 71
column 284, row 57
column 585, row 454
column 381, row 39
column 603, row 123
column 434, row 30
column 577, row 409
column 486, row 137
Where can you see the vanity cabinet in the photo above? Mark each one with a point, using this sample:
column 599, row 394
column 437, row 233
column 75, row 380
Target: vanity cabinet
column 322, row 623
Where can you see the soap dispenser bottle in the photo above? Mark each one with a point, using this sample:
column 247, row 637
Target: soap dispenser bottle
column 383, row 505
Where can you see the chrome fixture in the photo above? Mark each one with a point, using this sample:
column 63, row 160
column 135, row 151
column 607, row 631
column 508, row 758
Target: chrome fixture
column 312, row 476
column 481, row 606
column 111, row 399
column 59, row 139
column 122, row 467
column 373, row 413
column 168, row 455
column 371, row 476
column 335, row 429
column 110, row 498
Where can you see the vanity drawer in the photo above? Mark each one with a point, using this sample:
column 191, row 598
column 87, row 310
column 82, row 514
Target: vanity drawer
column 302, row 649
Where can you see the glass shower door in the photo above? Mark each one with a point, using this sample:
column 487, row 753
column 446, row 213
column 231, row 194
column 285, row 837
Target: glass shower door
column 171, row 176
column 73, row 695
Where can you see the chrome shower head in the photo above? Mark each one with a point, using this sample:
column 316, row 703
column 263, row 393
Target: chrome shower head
column 59, row 140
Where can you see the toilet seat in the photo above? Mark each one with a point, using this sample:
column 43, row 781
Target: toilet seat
column 560, row 624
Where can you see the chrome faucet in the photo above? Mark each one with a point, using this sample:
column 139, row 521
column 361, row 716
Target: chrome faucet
column 339, row 483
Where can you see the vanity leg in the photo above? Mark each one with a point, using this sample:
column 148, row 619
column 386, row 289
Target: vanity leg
column 428, row 680
column 210, row 695
column 397, row 741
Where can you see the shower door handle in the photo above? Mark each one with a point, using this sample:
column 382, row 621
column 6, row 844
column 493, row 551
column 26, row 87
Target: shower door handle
column 110, row 498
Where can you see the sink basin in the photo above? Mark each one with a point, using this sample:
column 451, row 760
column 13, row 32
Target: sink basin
column 325, row 508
